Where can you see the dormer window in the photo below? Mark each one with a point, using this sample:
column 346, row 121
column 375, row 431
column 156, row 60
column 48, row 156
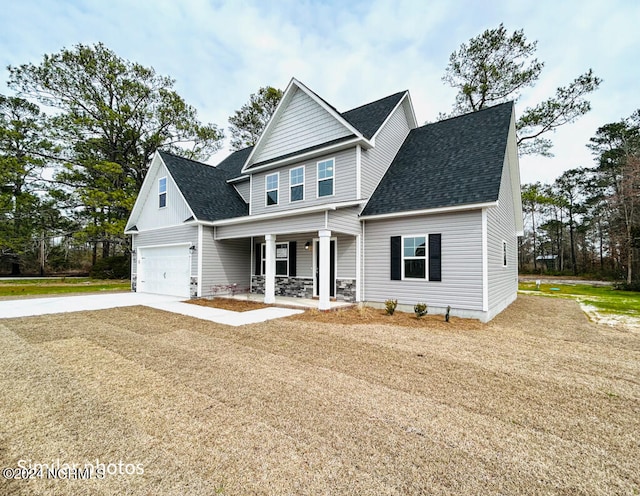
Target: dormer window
column 326, row 172
column 162, row 192
column 272, row 183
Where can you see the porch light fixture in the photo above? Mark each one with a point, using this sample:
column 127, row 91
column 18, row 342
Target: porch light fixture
column 192, row 248
column 307, row 245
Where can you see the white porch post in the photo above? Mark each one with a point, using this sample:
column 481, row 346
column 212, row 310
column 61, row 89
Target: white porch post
column 270, row 269
column 324, row 269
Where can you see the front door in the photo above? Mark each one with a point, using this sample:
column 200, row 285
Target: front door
column 332, row 267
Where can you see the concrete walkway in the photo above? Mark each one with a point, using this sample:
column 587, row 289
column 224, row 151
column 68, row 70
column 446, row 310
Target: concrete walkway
column 29, row 307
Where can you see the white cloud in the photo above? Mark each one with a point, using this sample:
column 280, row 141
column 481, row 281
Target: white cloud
column 350, row 53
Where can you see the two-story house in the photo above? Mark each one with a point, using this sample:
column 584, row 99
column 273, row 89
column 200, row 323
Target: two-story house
column 361, row 206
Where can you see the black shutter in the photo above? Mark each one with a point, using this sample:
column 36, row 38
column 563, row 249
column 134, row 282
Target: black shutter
column 435, row 257
column 258, row 256
column 396, row 258
column 292, row 259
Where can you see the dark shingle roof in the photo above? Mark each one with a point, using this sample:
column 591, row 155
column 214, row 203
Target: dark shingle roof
column 453, row 162
column 205, row 189
column 232, row 165
column 368, row 118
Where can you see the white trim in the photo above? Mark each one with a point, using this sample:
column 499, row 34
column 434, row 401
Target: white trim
column 485, row 263
column 358, row 171
column 315, row 263
column 284, row 213
column 200, row 257
column 430, row 211
column 326, row 219
column 266, row 191
column 238, row 179
column 327, row 150
column 250, row 192
column 145, row 190
column 284, row 102
column 426, row 257
column 191, row 222
column 333, row 178
column 165, row 246
column 160, row 193
column 358, row 266
column 304, row 177
column 412, row 124
column 363, row 263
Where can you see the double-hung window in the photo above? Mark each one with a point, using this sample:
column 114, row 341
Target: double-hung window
column 282, row 258
column 296, row 184
column 162, row 192
column 272, row 181
column 414, row 257
column 326, row 174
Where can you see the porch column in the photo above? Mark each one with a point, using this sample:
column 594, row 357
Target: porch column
column 270, row 269
column 324, row 268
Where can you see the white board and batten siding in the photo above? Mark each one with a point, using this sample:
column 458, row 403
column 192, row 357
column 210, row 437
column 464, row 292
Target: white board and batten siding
column 461, row 285
column 303, row 124
column 224, row 262
column 376, row 160
column 344, row 183
column 503, row 281
column 151, row 215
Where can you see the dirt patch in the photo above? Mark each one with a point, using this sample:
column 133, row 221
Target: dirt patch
column 232, row 304
column 538, row 401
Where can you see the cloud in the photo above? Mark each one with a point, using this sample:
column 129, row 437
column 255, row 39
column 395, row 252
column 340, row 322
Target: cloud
column 348, row 52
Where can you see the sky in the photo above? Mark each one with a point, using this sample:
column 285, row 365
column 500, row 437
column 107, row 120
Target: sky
column 348, row 52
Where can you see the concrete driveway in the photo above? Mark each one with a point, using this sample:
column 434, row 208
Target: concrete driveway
column 29, row 307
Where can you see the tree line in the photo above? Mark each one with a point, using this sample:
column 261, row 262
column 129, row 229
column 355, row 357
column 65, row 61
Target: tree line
column 588, row 220
column 78, row 135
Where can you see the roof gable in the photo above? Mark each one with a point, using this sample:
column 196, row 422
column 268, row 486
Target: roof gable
column 370, row 117
column 450, row 163
column 301, row 120
column 205, row 188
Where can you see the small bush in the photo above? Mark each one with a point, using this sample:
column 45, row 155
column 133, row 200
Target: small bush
column 390, row 306
column 420, row 309
column 118, row 267
column 625, row 286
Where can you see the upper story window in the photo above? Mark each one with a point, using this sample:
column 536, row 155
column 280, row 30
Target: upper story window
column 414, row 257
column 162, row 192
column 326, row 173
column 272, row 184
column 296, row 184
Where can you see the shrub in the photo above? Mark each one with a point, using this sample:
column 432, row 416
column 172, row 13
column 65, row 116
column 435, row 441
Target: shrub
column 420, row 309
column 118, row 267
column 390, row 306
column 446, row 317
column 625, row 286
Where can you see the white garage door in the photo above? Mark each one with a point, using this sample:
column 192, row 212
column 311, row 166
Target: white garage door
column 164, row 270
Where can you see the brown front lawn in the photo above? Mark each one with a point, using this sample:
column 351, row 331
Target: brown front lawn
column 539, row 401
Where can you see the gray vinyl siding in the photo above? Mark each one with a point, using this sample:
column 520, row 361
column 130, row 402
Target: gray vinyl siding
column 176, row 211
column 304, row 123
column 344, row 184
column 376, row 161
column 345, row 220
column 346, row 262
column 168, row 236
column 286, row 225
column 243, row 188
column 224, row 262
column 461, row 285
column 503, row 281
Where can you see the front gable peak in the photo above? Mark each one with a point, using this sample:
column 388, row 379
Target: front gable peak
column 302, row 121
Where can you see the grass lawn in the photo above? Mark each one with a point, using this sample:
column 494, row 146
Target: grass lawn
column 604, row 299
column 28, row 287
column 538, row 401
